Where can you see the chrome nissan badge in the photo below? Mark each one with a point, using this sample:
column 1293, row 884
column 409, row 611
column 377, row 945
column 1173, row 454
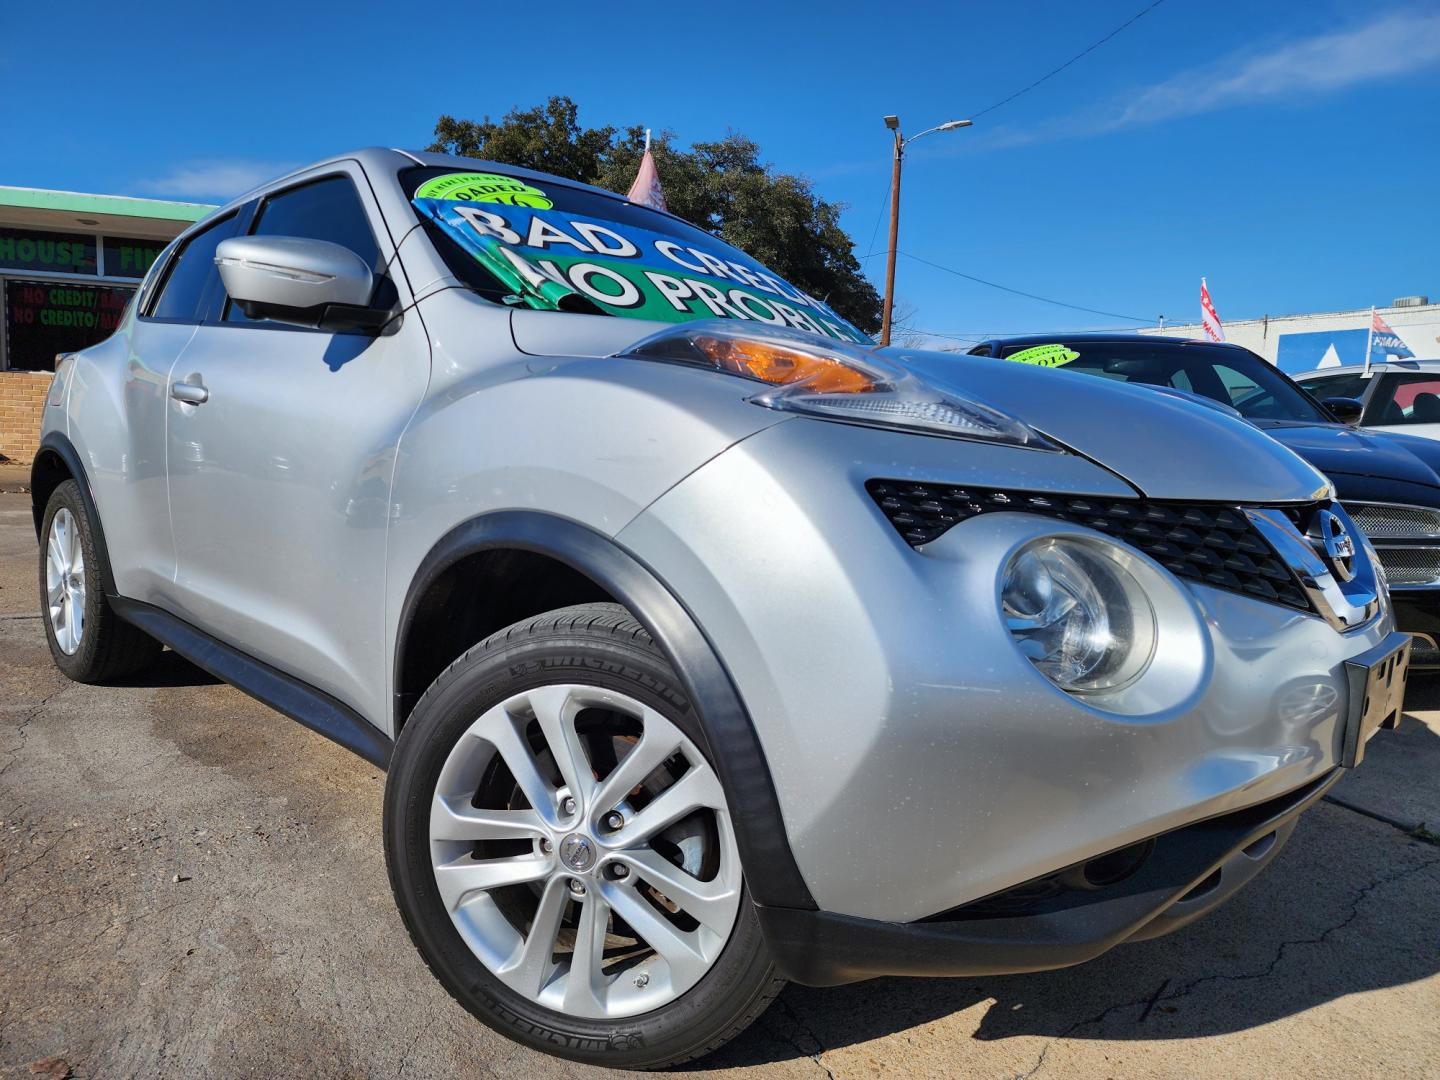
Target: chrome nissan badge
column 1336, row 545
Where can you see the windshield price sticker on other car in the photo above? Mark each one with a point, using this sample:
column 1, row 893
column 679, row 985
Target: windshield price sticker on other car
column 1045, row 355
column 624, row 269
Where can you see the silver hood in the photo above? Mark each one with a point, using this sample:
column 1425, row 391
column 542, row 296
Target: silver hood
column 1166, row 446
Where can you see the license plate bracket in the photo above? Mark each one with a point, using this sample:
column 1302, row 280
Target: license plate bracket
column 1377, row 694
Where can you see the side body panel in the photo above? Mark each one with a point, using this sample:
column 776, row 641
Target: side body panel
column 592, row 440
column 280, row 488
column 116, row 410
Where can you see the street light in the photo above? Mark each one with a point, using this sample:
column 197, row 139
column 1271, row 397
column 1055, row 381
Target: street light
column 893, row 123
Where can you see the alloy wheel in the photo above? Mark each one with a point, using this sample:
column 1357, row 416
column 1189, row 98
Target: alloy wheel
column 65, row 581
column 583, row 849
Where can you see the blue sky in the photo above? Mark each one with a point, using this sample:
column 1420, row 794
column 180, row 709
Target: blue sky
column 1288, row 151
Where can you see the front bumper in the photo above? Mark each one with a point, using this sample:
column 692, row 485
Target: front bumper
column 1188, row 873
column 922, row 763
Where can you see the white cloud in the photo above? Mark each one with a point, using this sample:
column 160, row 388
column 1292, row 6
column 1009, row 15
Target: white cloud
column 214, row 179
column 1394, row 45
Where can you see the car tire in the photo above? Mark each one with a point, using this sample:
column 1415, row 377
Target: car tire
column 584, row 654
column 89, row 642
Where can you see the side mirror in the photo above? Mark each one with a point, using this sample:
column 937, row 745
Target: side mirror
column 1345, row 409
column 298, row 281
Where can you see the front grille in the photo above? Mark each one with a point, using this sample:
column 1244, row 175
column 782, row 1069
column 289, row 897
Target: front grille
column 1410, row 565
column 1382, row 521
column 1423, row 650
column 1210, row 543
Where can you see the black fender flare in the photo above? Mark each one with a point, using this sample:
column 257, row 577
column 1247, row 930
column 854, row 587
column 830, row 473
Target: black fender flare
column 774, row 878
column 58, row 444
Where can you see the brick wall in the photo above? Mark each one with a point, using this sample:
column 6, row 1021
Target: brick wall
column 22, row 397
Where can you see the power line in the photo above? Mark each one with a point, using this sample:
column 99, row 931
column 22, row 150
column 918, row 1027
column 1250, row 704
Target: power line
column 878, row 218
column 1021, row 292
column 981, row 335
column 964, row 338
column 1006, row 101
column 1078, row 56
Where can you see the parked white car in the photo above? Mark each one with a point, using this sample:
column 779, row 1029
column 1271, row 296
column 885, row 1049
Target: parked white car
column 1401, row 395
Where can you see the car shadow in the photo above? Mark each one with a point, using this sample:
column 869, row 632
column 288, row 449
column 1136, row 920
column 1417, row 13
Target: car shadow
column 169, row 670
column 1285, row 944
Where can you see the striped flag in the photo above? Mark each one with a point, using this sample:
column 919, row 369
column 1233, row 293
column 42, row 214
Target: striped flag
column 646, row 188
column 1211, row 321
column 1384, row 341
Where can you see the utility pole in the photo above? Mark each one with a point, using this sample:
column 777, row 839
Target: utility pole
column 893, row 123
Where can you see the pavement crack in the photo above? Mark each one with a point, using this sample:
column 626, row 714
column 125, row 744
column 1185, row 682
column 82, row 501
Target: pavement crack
column 1353, row 913
column 1356, row 904
column 1039, row 1062
column 804, row 1032
column 408, row 1051
column 1154, row 998
column 27, row 718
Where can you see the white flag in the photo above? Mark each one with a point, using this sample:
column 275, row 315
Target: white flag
column 1211, row 321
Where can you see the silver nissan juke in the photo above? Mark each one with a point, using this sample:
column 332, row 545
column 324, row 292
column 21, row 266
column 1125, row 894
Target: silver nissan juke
column 707, row 645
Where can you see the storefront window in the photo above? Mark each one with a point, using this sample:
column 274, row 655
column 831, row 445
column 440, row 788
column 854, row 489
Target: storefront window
column 43, row 318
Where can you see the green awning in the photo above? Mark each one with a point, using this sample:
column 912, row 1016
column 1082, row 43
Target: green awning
column 75, row 202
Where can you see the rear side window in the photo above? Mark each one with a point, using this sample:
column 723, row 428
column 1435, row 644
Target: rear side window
column 1407, row 399
column 328, row 209
column 191, row 273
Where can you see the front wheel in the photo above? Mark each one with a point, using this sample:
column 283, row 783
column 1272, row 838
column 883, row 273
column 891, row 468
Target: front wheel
column 88, row 641
column 562, row 851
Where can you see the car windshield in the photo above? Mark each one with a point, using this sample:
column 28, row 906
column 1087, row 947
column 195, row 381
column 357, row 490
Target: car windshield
column 553, row 247
column 1233, row 377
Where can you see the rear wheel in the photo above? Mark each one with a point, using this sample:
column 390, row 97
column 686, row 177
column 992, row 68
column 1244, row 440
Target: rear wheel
column 88, row 641
column 562, row 851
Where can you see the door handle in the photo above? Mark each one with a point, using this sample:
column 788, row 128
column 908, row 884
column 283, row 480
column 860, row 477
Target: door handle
column 190, row 393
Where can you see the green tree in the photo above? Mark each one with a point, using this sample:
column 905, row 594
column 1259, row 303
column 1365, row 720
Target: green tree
column 723, row 187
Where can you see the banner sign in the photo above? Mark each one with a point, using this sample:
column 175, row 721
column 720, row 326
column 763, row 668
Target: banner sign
column 1296, row 353
column 547, row 255
column 53, row 252
column 43, row 318
column 130, row 258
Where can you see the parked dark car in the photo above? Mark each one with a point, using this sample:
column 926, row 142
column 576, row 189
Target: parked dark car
column 1389, row 482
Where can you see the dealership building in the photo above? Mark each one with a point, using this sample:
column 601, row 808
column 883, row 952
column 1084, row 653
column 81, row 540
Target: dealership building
column 69, row 264
column 1299, row 343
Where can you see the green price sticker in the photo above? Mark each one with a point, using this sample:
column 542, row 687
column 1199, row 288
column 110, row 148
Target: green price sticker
column 484, row 187
column 1045, row 355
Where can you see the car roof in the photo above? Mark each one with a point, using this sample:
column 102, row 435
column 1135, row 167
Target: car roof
column 382, row 158
column 1102, row 337
column 434, row 160
column 1386, row 365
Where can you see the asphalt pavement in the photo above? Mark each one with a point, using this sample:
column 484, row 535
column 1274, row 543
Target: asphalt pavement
column 193, row 886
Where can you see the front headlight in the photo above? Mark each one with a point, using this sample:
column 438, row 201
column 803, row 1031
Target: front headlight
column 1078, row 614
column 838, row 380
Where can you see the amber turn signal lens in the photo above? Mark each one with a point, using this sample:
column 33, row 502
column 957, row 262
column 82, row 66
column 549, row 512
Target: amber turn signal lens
column 781, row 366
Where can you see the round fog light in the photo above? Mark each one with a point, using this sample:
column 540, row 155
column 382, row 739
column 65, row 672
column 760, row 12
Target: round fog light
column 1078, row 614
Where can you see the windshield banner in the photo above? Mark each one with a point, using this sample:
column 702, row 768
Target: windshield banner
column 547, row 255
